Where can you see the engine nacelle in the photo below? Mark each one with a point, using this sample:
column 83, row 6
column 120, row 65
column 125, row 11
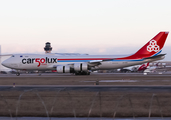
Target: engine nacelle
column 63, row 69
column 80, row 67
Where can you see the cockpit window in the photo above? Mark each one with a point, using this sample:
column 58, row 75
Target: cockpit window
column 12, row 55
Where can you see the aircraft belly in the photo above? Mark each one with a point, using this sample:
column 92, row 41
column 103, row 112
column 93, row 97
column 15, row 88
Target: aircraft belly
column 118, row 64
column 33, row 67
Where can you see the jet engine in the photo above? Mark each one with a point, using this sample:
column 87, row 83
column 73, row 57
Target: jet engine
column 63, row 69
column 80, row 67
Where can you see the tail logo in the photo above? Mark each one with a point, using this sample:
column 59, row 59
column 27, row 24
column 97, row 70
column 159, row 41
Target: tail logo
column 153, row 46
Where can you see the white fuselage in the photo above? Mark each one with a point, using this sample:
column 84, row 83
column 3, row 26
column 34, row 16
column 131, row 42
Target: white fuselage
column 50, row 62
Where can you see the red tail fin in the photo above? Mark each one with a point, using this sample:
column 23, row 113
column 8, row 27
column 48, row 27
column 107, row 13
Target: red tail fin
column 151, row 48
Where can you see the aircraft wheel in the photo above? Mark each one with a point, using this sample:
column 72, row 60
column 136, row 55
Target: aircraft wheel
column 17, row 74
column 76, row 73
column 88, row 73
column 85, row 73
column 82, row 73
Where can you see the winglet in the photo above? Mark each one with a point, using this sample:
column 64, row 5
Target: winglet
column 151, row 48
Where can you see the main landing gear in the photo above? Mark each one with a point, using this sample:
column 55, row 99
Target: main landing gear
column 82, row 73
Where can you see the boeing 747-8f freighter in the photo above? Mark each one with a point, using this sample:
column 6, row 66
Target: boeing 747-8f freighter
column 83, row 64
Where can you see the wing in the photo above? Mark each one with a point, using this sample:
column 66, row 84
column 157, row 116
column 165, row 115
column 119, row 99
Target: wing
column 6, row 55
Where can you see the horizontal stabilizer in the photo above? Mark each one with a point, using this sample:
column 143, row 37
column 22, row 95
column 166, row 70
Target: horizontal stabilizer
column 157, row 56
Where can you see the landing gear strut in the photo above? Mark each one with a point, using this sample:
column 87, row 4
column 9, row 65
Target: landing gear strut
column 17, row 74
column 40, row 73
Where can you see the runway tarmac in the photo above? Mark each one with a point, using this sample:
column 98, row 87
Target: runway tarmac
column 91, row 75
column 132, row 82
column 94, row 78
column 93, row 88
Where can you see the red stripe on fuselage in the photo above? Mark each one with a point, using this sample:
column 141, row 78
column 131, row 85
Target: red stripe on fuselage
column 87, row 59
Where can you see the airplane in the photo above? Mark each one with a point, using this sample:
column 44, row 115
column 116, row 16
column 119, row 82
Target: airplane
column 135, row 68
column 143, row 67
column 156, row 68
column 84, row 64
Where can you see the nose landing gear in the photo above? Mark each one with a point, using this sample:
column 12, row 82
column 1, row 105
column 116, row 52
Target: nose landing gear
column 17, row 74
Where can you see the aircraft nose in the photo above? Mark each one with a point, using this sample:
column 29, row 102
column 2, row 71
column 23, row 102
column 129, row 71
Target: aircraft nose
column 10, row 63
column 5, row 63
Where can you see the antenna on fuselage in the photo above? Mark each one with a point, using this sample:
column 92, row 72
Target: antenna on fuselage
column 47, row 47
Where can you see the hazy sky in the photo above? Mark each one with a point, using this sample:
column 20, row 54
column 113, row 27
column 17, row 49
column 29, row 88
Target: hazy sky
column 82, row 26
